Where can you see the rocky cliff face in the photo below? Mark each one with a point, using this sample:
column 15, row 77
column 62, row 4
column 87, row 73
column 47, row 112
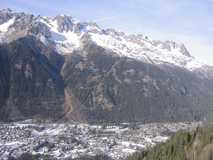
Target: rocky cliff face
column 111, row 88
column 30, row 82
column 61, row 69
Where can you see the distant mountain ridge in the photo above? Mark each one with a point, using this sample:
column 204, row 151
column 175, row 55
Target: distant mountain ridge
column 62, row 69
column 65, row 34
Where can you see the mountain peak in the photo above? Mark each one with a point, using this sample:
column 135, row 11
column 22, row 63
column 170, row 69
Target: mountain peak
column 172, row 45
column 64, row 33
column 6, row 10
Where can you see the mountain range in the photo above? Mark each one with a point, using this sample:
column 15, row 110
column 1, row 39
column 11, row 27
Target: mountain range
column 61, row 69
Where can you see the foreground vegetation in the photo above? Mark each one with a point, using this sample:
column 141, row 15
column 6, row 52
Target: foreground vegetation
column 196, row 145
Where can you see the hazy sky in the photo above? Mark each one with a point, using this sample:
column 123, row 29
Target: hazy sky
column 187, row 21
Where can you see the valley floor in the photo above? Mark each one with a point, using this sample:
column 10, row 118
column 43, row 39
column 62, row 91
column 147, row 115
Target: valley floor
column 76, row 140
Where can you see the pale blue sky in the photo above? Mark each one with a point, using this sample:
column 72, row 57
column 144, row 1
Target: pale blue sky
column 188, row 21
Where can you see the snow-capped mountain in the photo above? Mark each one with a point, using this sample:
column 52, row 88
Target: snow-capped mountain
column 66, row 34
column 57, row 68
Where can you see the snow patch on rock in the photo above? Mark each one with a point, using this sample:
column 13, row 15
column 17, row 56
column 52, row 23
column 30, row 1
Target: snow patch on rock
column 5, row 26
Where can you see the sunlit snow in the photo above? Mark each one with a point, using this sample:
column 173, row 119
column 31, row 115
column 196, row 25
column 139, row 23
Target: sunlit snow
column 4, row 27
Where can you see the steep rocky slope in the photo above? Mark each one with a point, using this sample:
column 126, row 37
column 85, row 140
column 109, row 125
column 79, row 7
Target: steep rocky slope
column 59, row 68
column 107, row 87
column 31, row 83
